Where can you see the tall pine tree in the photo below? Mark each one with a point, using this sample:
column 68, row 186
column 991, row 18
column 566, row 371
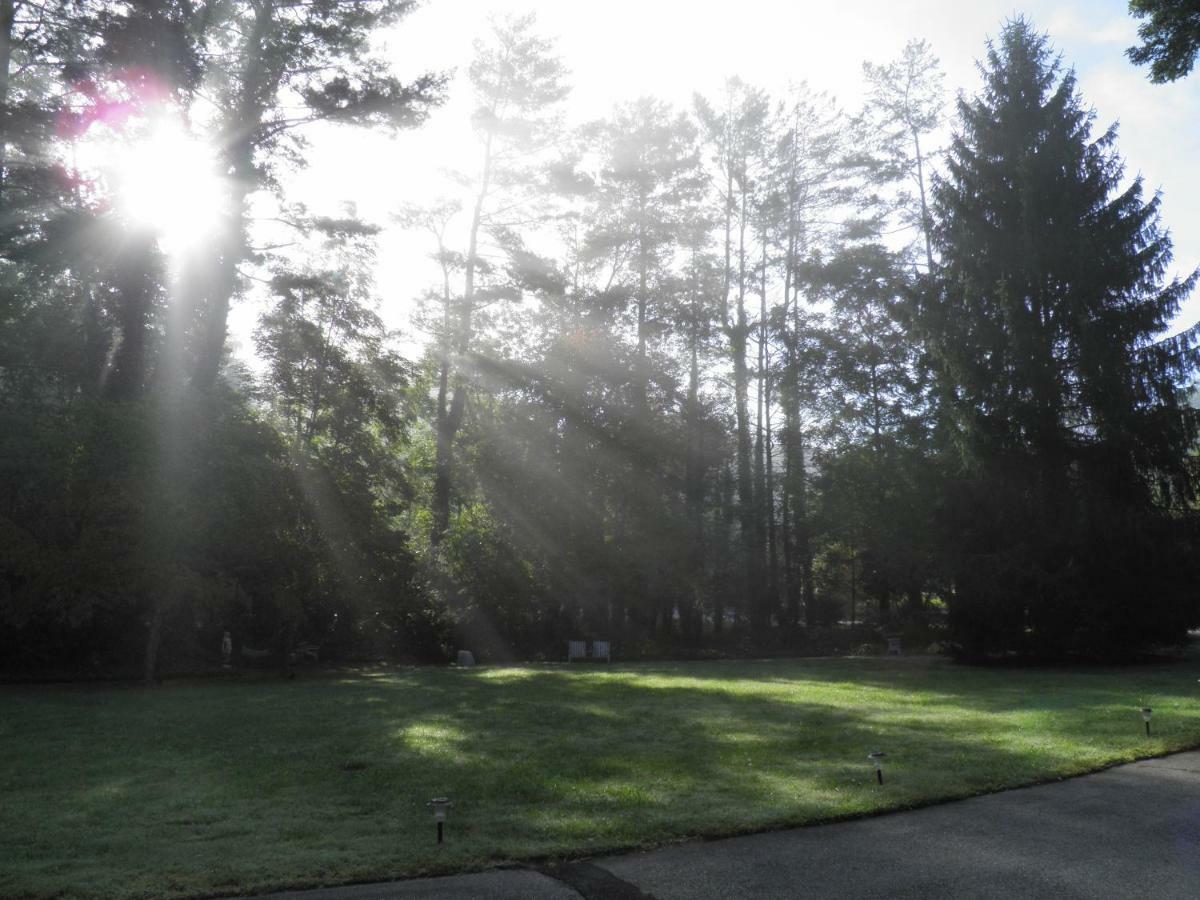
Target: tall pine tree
column 1067, row 440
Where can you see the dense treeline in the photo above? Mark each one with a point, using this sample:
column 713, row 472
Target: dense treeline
column 734, row 376
column 154, row 494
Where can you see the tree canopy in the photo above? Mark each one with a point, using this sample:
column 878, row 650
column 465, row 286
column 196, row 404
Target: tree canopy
column 756, row 374
column 1170, row 34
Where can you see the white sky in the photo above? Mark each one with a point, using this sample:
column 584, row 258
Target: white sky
column 618, row 50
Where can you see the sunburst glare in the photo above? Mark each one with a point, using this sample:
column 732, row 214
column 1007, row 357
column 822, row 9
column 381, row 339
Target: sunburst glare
column 158, row 175
column 168, row 182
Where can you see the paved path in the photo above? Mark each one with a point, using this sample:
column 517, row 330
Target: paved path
column 1133, row 831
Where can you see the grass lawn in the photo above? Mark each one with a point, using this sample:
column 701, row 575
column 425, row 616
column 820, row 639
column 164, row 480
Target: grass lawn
column 246, row 785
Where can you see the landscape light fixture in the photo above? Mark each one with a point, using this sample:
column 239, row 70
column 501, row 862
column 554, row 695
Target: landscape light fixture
column 878, row 757
column 440, row 805
column 1146, row 711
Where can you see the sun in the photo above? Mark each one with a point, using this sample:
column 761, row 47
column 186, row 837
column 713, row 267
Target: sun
column 155, row 175
column 165, row 179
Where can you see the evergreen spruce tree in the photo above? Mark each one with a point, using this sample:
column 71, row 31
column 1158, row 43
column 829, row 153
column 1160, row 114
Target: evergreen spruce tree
column 1061, row 412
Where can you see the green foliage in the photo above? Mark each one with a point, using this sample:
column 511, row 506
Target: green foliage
column 99, row 532
column 340, row 394
column 498, row 601
column 1170, row 37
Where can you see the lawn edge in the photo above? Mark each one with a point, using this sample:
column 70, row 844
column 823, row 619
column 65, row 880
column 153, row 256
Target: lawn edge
column 544, row 862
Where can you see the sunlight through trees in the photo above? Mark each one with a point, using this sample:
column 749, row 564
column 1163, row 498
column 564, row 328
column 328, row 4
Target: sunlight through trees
column 759, row 373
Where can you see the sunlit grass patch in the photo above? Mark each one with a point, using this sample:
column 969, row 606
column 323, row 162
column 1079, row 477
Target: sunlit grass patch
column 239, row 786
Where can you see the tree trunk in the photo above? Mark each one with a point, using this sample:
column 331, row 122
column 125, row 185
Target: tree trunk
column 7, row 15
column 764, row 483
column 616, row 618
column 445, row 428
column 242, row 127
column 748, row 518
column 926, row 224
column 694, row 485
column 790, row 399
column 727, row 519
column 853, row 586
column 449, row 420
column 800, row 523
column 761, row 614
column 136, row 283
column 441, row 481
column 791, row 579
column 153, row 643
column 769, row 510
column 804, row 538
column 641, row 376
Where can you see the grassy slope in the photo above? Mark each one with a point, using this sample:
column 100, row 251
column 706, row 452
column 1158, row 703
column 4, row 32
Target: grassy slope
column 249, row 785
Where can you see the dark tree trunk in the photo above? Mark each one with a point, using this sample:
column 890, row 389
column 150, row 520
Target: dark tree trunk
column 7, row 16
column 616, row 618
column 790, row 399
column 728, row 515
column 764, row 483
column 804, row 539
column 769, row 509
column 926, row 222
column 800, row 592
column 748, row 517
column 153, row 643
column 791, row 578
column 853, row 587
column 242, row 130
column 449, row 420
column 641, row 376
column 694, row 489
column 802, row 525
column 136, row 287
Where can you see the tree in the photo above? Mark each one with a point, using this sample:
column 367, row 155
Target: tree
column 1060, row 405
column 518, row 83
column 736, row 135
column 74, row 263
column 876, row 435
column 1170, row 37
column 49, row 252
column 904, row 106
column 647, row 186
column 697, row 322
column 809, row 175
column 273, row 68
column 338, row 391
column 645, row 194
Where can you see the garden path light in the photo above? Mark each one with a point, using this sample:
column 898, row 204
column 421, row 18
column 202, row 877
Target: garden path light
column 440, row 805
column 878, row 757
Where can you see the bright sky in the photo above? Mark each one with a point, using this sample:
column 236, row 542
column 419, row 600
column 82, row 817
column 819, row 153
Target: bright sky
column 618, row 50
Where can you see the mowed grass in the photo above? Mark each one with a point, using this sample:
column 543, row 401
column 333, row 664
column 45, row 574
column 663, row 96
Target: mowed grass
column 239, row 786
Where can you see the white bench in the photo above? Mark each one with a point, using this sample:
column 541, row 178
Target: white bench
column 579, row 650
